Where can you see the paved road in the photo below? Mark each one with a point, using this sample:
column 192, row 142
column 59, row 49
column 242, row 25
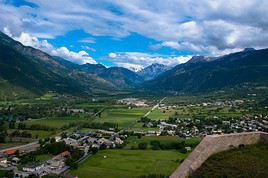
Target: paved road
column 154, row 107
column 28, row 147
column 95, row 115
column 145, row 115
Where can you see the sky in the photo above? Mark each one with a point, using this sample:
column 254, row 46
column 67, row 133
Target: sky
column 136, row 33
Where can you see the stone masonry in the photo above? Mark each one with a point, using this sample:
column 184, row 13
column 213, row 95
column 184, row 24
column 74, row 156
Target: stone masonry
column 212, row 144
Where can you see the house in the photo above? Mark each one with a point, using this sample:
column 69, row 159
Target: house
column 33, row 168
column 55, row 164
column 70, row 141
column 10, row 152
column 3, row 162
column 15, row 161
column 62, row 155
column 104, row 132
column 106, row 142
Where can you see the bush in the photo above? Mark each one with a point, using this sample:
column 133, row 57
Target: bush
column 155, row 144
column 142, row 145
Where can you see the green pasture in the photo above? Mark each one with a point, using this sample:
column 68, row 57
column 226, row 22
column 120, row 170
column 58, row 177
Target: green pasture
column 123, row 117
column 56, row 122
column 133, row 141
column 128, row 163
column 159, row 114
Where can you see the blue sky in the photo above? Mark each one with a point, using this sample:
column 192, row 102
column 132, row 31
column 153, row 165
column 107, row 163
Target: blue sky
column 136, row 33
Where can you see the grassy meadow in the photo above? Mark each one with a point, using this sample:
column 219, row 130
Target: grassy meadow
column 122, row 116
column 128, row 163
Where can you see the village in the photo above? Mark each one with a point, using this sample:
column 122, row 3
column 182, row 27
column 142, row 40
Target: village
column 63, row 151
column 88, row 143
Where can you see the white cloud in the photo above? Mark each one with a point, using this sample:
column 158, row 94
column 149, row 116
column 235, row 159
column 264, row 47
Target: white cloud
column 137, row 60
column 199, row 26
column 7, row 32
column 80, row 57
column 88, row 48
column 133, row 67
column 88, row 40
column 112, row 55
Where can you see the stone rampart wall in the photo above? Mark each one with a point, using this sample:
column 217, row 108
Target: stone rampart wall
column 212, row 144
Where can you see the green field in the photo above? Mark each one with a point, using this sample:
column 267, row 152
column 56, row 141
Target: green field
column 123, row 117
column 56, row 122
column 43, row 157
column 208, row 112
column 139, row 127
column 133, row 141
column 251, row 161
column 37, row 133
column 128, row 163
column 158, row 114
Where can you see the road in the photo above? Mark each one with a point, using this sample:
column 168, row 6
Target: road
column 154, row 107
column 145, row 115
column 94, row 115
column 27, row 148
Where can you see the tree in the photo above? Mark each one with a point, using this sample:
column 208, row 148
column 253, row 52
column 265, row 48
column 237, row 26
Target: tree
column 3, row 135
column 155, row 144
column 63, row 135
column 71, row 162
column 142, row 145
column 52, row 140
column 11, row 124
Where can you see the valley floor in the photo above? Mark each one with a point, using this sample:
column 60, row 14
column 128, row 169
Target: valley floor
column 129, row 163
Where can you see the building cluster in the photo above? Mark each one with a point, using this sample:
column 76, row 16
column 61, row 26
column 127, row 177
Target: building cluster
column 86, row 141
column 133, row 102
column 197, row 127
column 10, row 161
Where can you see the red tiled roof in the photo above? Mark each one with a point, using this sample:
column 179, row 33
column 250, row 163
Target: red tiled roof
column 11, row 151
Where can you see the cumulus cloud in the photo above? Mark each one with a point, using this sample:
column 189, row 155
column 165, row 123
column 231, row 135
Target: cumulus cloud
column 136, row 60
column 82, row 57
column 112, row 55
column 26, row 39
column 205, row 26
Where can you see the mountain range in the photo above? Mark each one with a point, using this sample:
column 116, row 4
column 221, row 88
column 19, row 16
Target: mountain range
column 204, row 74
column 26, row 71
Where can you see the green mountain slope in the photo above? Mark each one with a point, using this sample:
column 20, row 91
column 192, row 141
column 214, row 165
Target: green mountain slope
column 37, row 72
column 246, row 67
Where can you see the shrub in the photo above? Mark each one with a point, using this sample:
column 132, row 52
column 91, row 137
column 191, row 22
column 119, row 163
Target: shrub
column 142, row 145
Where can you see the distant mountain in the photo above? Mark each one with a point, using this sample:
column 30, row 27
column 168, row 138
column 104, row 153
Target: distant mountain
column 28, row 70
column 152, row 71
column 245, row 67
column 93, row 68
column 121, row 77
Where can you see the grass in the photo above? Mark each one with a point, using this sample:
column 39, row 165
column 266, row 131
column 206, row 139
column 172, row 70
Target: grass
column 123, row 117
column 43, row 157
column 128, row 163
column 251, row 161
column 10, row 144
column 208, row 112
column 37, row 133
column 139, row 127
column 41, row 133
column 56, row 122
column 133, row 141
column 158, row 114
